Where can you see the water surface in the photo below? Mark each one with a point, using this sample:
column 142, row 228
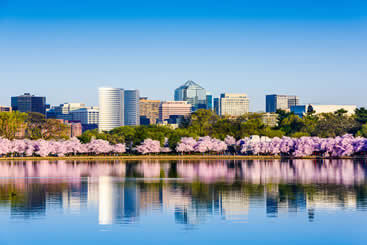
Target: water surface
column 181, row 202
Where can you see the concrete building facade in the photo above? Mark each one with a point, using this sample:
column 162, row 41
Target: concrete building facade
column 173, row 108
column 300, row 110
column 234, row 104
column 149, row 109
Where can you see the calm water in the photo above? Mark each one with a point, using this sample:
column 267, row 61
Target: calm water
column 203, row 202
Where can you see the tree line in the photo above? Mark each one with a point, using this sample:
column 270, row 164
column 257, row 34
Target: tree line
column 200, row 123
column 207, row 123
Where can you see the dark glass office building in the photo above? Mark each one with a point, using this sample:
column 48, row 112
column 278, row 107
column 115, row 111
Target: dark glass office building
column 29, row 103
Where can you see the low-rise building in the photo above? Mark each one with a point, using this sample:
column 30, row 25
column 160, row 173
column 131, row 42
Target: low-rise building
column 88, row 117
column 5, row 108
column 149, row 111
column 270, row 119
column 300, row 110
column 173, row 108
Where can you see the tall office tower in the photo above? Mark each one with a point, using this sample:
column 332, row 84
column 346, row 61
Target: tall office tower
column 281, row 102
column 132, row 105
column 193, row 93
column 111, row 108
column 29, row 103
column 149, row 111
column 173, row 108
column 216, row 106
column 234, row 104
column 209, row 101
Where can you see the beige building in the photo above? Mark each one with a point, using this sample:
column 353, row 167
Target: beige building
column 5, row 108
column 173, row 108
column 270, row 119
column 150, row 109
column 234, row 104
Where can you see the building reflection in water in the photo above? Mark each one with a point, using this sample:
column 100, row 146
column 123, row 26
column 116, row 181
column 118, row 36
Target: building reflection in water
column 191, row 191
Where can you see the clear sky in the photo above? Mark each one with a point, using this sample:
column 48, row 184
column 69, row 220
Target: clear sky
column 66, row 49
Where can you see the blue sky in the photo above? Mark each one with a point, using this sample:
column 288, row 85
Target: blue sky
column 66, row 49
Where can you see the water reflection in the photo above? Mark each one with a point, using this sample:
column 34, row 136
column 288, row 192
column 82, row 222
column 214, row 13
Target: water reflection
column 192, row 192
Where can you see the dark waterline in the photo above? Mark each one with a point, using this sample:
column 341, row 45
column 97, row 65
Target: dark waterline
column 200, row 202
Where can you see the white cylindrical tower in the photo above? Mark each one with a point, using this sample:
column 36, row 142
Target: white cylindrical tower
column 111, row 108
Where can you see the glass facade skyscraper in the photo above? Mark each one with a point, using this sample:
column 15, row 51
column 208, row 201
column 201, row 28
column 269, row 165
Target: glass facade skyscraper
column 209, row 101
column 132, row 107
column 29, row 103
column 193, row 93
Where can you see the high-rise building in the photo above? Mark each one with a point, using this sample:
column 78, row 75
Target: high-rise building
column 132, row 106
column 111, row 108
column 216, row 106
column 209, row 101
column 5, row 108
column 276, row 102
column 29, row 103
column 234, row 104
column 193, row 93
column 173, row 108
column 149, row 109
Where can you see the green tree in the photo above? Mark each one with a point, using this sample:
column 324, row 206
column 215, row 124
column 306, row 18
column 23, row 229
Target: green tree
column 335, row 124
column 12, row 123
column 291, row 124
column 54, row 129
column 35, row 122
column 361, row 115
column 363, row 131
column 201, row 122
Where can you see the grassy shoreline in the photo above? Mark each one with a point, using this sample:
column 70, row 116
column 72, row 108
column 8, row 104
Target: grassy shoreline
column 169, row 157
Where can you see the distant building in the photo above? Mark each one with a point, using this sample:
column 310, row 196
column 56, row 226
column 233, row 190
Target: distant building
column 63, row 111
column 74, row 127
column 193, row 93
column 149, row 110
column 88, row 117
column 170, row 108
column 5, row 108
column 209, row 101
column 132, row 108
column 300, row 110
column 111, row 108
column 29, row 103
column 270, row 119
column 233, row 104
column 276, row 102
column 216, row 106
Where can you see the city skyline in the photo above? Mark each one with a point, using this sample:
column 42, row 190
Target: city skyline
column 65, row 51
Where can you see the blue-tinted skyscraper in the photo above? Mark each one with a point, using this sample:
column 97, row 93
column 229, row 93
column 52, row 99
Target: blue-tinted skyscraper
column 132, row 107
column 216, row 106
column 193, row 93
column 29, row 103
column 209, row 101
